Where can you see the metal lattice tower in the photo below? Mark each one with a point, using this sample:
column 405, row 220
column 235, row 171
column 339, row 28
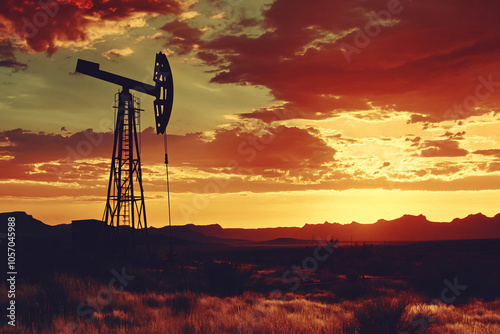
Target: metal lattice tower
column 125, row 201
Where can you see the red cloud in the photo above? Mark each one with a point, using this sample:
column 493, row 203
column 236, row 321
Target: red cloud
column 281, row 150
column 43, row 23
column 30, row 148
column 437, row 60
column 183, row 36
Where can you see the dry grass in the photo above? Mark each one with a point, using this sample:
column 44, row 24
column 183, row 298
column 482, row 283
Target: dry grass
column 250, row 312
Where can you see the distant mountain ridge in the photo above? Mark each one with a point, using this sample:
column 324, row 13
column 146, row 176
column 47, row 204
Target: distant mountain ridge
column 405, row 228
column 28, row 226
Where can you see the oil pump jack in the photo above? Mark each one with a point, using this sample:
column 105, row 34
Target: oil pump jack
column 125, row 205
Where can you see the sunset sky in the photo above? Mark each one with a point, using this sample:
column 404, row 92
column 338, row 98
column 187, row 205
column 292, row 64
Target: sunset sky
column 286, row 112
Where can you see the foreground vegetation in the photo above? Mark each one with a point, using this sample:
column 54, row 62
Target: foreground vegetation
column 356, row 290
column 384, row 310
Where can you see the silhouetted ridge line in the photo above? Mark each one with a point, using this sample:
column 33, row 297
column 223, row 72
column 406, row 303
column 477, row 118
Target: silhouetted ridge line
column 404, row 228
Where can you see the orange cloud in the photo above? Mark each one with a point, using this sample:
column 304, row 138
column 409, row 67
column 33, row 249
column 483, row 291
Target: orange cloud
column 115, row 53
column 442, row 148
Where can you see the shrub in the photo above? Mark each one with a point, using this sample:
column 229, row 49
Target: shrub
column 182, row 303
column 382, row 316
